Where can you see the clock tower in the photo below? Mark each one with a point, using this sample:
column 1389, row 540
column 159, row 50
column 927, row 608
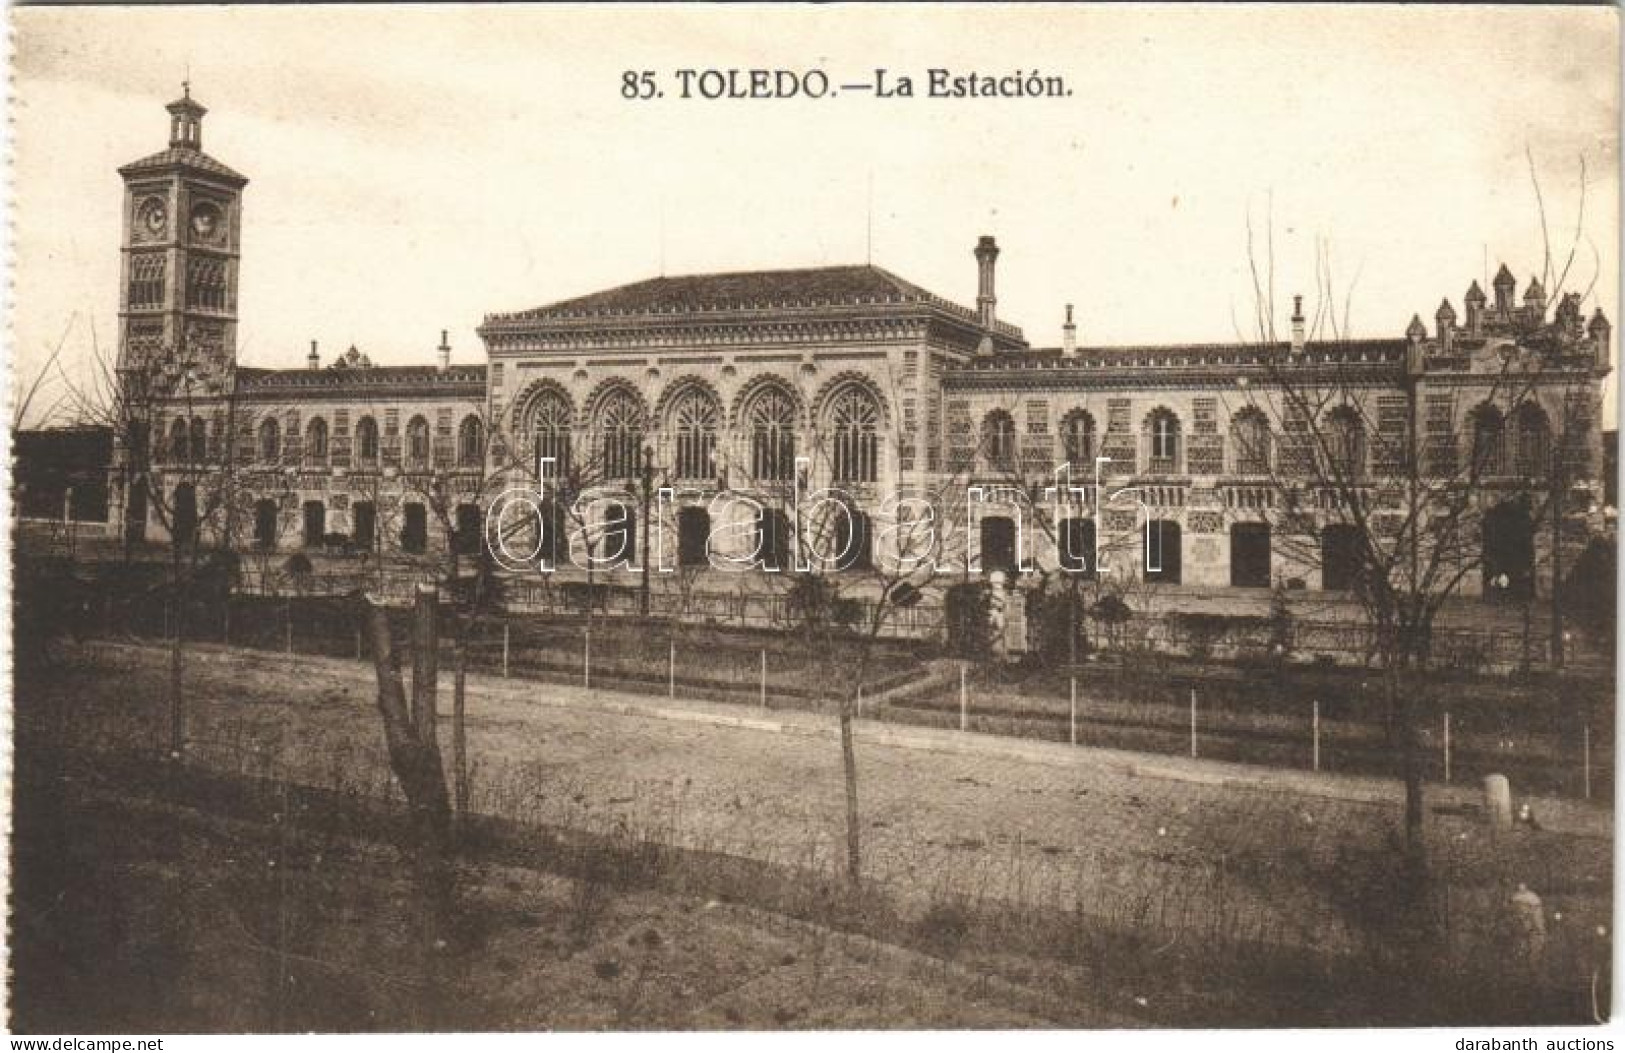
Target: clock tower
column 178, row 294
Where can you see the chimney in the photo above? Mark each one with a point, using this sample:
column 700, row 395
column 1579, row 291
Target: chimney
column 1297, row 325
column 445, row 352
column 987, row 253
column 1069, row 334
column 313, row 360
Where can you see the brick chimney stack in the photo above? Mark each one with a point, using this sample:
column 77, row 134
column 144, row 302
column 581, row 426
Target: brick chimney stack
column 313, row 360
column 1069, row 334
column 987, row 254
column 444, row 349
column 1297, row 325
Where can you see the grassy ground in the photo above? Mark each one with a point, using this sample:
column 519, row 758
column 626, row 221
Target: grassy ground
column 1204, row 874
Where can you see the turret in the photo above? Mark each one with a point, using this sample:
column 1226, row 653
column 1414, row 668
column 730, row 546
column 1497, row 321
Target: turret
column 1297, row 325
column 1415, row 333
column 443, row 352
column 1600, row 331
column 1446, row 317
column 1069, row 334
column 1504, row 285
column 1534, row 302
column 1475, row 309
column 987, row 254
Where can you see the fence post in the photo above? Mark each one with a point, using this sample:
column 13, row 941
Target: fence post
column 764, row 678
column 504, row 650
column 287, row 624
column 1072, row 711
column 1447, row 747
column 1316, row 705
column 671, row 667
column 586, row 659
column 964, row 700
column 1193, row 722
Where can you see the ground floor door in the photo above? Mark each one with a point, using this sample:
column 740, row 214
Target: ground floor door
column 468, row 528
column 265, row 519
column 1509, row 552
column 363, row 525
column 693, row 533
column 414, row 527
column 185, row 513
column 315, row 523
column 1250, row 555
column 998, row 537
column 1162, row 552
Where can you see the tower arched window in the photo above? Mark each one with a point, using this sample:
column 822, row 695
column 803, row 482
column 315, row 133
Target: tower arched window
column 550, row 423
column 694, row 418
column 198, row 441
column 366, row 441
column 470, row 442
column 620, row 430
column 1533, row 441
column 146, row 280
column 270, row 440
column 1345, row 444
column 854, row 419
column 1163, row 435
column 999, row 440
column 772, row 420
column 178, row 440
column 1250, row 442
column 1078, row 441
column 1489, row 441
column 417, row 443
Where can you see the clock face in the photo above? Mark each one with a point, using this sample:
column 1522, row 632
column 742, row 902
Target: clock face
column 205, row 219
column 153, row 215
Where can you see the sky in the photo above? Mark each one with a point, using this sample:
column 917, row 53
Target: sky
column 416, row 168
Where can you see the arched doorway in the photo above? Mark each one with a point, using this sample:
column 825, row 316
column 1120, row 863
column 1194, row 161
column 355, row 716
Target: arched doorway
column 265, row 522
column 1509, row 552
column 414, row 527
column 998, row 537
column 185, row 517
column 363, row 525
column 466, row 535
column 1162, row 552
column 1077, row 547
column 315, row 523
column 1339, row 556
column 693, row 531
column 1250, row 555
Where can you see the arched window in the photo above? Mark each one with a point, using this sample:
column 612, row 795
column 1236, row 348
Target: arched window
column 620, row 430
column 1489, row 441
column 417, row 443
column 316, row 441
column 470, row 442
column 771, row 416
column 1533, row 437
column 178, row 440
column 199, row 441
column 999, row 441
column 270, row 440
column 1078, row 441
column 1250, row 442
column 694, row 420
column 366, row 441
column 854, row 418
column 1162, row 434
column 1345, row 444
column 550, row 422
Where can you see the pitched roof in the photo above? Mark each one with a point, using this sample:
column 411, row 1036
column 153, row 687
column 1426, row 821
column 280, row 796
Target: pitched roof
column 807, row 286
column 182, row 157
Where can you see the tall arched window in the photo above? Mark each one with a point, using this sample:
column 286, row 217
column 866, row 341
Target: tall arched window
column 1489, row 441
column 1533, row 437
column 270, row 440
column 1250, row 442
column 178, row 440
column 854, row 420
column 1345, row 444
column 316, row 441
column 620, row 430
column 999, row 440
column 1078, row 441
column 1162, row 434
column 366, row 441
column 550, row 422
column 470, row 442
column 694, row 420
column 771, row 417
column 417, row 443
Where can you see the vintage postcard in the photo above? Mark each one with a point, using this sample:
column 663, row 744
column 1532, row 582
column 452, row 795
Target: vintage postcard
column 813, row 517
